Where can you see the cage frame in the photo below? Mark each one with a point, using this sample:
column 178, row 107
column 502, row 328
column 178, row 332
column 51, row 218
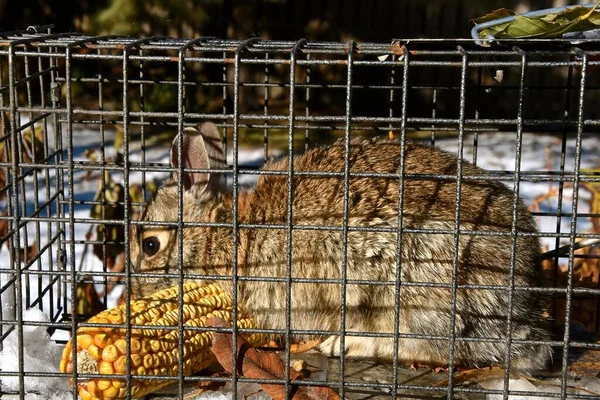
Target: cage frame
column 399, row 55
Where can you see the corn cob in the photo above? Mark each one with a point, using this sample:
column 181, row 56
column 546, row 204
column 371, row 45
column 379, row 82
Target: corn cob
column 154, row 352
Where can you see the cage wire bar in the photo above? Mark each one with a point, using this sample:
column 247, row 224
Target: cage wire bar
column 282, row 97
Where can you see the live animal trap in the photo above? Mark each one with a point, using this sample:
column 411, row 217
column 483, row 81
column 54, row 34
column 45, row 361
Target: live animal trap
column 87, row 125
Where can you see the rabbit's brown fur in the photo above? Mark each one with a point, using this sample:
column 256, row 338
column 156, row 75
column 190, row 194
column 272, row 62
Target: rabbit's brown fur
column 371, row 256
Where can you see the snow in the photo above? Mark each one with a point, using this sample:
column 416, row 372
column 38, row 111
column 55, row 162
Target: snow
column 495, row 152
column 40, row 355
column 521, row 385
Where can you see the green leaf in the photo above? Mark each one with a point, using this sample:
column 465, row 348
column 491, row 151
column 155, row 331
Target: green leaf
column 528, row 27
column 494, row 30
column 575, row 19
column 551, row 17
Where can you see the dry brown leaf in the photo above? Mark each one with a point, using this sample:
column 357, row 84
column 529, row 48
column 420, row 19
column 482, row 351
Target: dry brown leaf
column 257, row 364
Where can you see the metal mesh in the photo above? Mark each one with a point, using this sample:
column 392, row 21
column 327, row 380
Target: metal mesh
column 281, row 97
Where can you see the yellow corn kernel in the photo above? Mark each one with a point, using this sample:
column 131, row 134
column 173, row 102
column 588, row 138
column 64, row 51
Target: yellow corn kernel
column 105, row 368
column 95, row 352
column 146, row 347
column 115, row 317
column 111, row 392
column 102, row 340
column 136, row 360
column 84, row 340
column 148, row 361
column 118, row 383
column 120, row 364
column 91, row 386
column 137, row 306
column 103, row 384
column 121, row 345
column 135, row 345
column 85, row 395
column 110, row 353
column 155, row 345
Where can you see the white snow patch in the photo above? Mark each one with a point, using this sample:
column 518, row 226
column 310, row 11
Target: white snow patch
column 40, row 355
column 521, row 385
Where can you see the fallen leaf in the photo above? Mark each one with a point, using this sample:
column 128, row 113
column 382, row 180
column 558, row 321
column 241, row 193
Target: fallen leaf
column 258, row 364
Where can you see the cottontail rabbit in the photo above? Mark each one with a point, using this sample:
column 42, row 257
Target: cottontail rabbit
column 427, row 256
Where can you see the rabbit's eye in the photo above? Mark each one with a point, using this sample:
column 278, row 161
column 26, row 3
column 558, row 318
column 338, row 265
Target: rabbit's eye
column 151, row 245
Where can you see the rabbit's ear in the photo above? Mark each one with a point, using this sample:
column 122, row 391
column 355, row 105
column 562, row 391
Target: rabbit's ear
column 201, row 149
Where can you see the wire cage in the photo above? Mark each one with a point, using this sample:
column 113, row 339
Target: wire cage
column 87, row 123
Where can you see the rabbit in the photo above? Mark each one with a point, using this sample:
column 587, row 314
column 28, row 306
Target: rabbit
column 371, row 256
